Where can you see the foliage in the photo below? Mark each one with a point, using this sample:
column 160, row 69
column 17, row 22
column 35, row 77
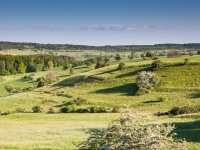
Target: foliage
column 185, row 110
column 173, row 54
column 142, row 55
column 50, row 65
column 51, row 110
column 37, row 109
column 154, row 58
column 10, row 88
column 99, row 59
column 191, row 53
column 149, row 54
column 65, row 67
column 69, row 109
column 28, row 77
column 157, row 64
column 51, row 75
column 161, row 54
column 162, row 99
column 121, row 66
column 186, row 61
column 146, row 80
column 142, row 91
column 98, row 110
column 132, row 132
column 21, row 68
column 72, row 71
column 118, row 57
column 2, row 79
column 198, row 52
column 132, row 55
column 19, row 110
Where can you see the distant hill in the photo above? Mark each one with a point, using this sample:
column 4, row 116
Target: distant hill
column 134, row 48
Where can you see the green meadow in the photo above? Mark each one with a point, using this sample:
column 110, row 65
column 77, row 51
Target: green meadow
column 105, row 87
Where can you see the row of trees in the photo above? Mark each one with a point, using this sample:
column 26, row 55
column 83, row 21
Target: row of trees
column 20, row 64
column 134, row 48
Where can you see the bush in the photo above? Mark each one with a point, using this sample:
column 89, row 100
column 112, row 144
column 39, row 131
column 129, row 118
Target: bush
column 83, row 110
column 37, row 109
column 65, row 67
column 154, row 58
column 117, row 109
column 121, row 66
column 157, row 64
column 185, row 110
column 132, row 132
column 142, row 91
column 186, row 61
column 2, row 79
column 68, row 109
column 98, row 65
column 118, row 57
column 162, row 99
column 174, row 54
column 72, row 71
column 191, row 53
column 51, row 110
column 146, row 80
column 149, row 54
column 10, row 88
column 51, row 75
column 19, row 110
column 28, row 77
column 98, row 110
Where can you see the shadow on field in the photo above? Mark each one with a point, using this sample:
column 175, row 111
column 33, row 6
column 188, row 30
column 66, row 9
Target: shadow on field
column 134, row 72
column 151, row 101
column 129, row 89
column 71, row 81
column 188, row 130
column 110, row 71
column 64, row 75
column 194, row 95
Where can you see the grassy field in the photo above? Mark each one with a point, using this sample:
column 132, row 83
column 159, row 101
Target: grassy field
column 62, row 131
column 105, row 87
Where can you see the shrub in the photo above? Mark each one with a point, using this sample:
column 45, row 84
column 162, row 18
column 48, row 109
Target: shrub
column 118, row 57
column 51, row 110
column 191, row 53
column 2, row 79
column 198, row 53
column 186, row 61
column 37, row 109
column 10, row 88
column 117, row 109
column 157, row 64
column 72, row 71
column 69, row 109
column 174, row 54
column 149, row 54
column 146, row 80
column 65, row 67
column 83, row 110
column 28, row 77
column 97, row 110
column 185, row 110
column 121, row 66
column 19, row 110
column 154, row 58
column 51, row 75
column 142, row 91
column 132, row 132
column 162, row 99
column 161, row 54
column 98, row 65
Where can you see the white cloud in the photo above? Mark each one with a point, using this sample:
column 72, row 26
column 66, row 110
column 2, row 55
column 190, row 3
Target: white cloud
column 118, row 27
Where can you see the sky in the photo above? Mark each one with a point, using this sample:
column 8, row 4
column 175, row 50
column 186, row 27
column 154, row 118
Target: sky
column 100, row 22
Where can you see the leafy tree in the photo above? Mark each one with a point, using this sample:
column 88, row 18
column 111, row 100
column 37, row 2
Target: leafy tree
column 50, row 65
column 132, row 55
column 149, row 54
column 198, row 53
column 51, row 75
column 121, row 66
column 99, row 59
column 157, row 64
column 106, row 59
column 146, row 79
column 191, row 53
column 10, row 88
column 118, row 57
column 174, row 54
column 98, row 65
column 142, row 55
column 133, row 133
column 21, row 68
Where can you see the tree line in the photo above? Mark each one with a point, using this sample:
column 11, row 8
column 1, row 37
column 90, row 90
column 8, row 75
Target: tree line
column 134, row 48
column 11, row 65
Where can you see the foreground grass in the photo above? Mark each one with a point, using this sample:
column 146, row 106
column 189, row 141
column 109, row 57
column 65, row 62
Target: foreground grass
column 60, row 131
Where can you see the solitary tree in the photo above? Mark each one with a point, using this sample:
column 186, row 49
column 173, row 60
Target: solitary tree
column 10, row 88
column 132, row 55
column 118, row 57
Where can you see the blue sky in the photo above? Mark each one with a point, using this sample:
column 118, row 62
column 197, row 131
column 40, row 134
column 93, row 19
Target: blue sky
column 100, row 22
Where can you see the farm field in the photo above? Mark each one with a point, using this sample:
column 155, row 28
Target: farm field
column 105, row 87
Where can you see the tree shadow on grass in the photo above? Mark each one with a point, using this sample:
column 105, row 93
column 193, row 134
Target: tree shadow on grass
column 69, row 82
column 129, row 89
column 134, row 72
column 194, row 95
column 188, row 130
column 151, row 101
